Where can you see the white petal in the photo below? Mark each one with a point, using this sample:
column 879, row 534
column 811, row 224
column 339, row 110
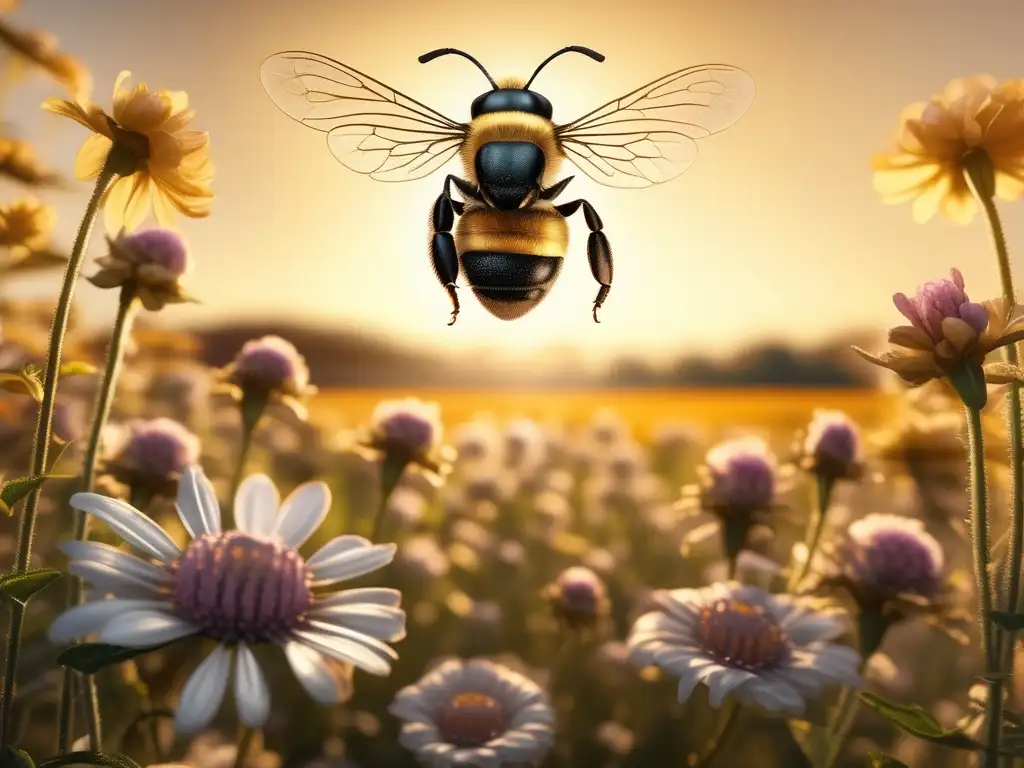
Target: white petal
column 89, row 618
column 346, row 650
column 140, row 629
column 336, row 546
column 302, row 512
column 478, row 757
column 335, row 630
column 807, row 628
column 378, row 621
column 256, row 505
column 197, row 503
column 375, row 595
column 96, row 552
column 353, row 563
column 130, row 524
column 722, row 682
column 772, row 695
column 312, row 672
column 691, row 676
column 415, row 736
column 204, row 692
column 252, row 696
column 110, row 580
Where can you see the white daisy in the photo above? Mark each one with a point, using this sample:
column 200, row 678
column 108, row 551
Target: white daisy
column 242, row 588
column 769, row 650
column 475, row 713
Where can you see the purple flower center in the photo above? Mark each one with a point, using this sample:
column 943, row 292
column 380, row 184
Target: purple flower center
column 838, row 443
column 157, row 452
column 162, row 247
column 470, row 720
column 234, row 586
column 742, row 635
column 894, row 562
column 938, row 300
column 580, row 592
column 408, row 432
column 265, row 367
column 746, row 483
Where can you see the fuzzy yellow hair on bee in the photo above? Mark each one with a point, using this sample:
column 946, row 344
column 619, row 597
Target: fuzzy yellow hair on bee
column 512, row 126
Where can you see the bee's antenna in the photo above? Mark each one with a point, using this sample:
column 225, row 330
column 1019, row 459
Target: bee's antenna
column 570, row 49
column 445, row 51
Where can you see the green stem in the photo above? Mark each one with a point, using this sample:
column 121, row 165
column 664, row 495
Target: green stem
column 104, row 400
column 815, row 528
column 44, row 430
column 252, row 406
column 731, row 720
column 1016, row 434
column 245, row 743
column 846, row 715
column 979, row 534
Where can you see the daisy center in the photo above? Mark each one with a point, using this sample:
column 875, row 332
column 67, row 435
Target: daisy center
column 471, row 720
column 742, row 635
column 234, row 586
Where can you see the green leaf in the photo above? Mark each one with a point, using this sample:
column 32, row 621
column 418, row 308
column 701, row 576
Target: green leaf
column 1008, row 620
column 90, row 658
column 77, row 368
column 12, row 757
column 25, row 381
column 919, row 722
column 13, row 491
column 21, row 587
column 90, row 758
column 878, row 760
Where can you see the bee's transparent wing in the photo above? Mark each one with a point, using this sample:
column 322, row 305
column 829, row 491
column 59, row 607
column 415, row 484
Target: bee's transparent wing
column 371, row 128
column 649, row 135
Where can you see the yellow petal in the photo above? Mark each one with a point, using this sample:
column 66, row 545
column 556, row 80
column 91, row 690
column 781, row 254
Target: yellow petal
column 138, row 202
column 115, row 203
column 92, row 156
column 89, row 115
column 910, row 337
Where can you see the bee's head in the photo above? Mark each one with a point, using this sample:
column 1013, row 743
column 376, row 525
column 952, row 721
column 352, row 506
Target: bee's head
column 510, row 95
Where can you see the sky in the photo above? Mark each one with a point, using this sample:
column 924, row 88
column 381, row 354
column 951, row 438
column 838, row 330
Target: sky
column 774, row 233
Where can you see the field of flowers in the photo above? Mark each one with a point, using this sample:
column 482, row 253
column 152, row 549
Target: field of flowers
column 228, row 567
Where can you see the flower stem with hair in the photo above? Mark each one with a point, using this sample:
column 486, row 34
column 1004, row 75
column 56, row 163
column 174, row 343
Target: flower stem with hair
column 980, row 177
column 727, row 722
column 979, row 535
column 126, row 310
column 117, row 163
column 246, row 737
column 822, row 497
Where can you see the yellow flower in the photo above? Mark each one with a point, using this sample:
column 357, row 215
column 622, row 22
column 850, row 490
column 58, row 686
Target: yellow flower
column 18, row 161
column 935, row 138
column 38, row 47
column 172, row 168
column 25, row 226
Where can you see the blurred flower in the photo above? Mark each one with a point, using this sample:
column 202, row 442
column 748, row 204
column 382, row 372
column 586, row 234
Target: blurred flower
column 607, row 427
column 208, row 590
column 39, row 48
column 476, row 440
column 422, row 557
column 475, row 713
column 832, row 446
column 25, row 226
column 578, row 597
column 406, row 506
column 525, row 442
column 269, row 369
column 149, row 456
column 150, row 263
column 625, row 461
column 948, row 333
column 171, row 165
column 936, row 139
column 18, row 161
column 212, row 750
column 769, row 650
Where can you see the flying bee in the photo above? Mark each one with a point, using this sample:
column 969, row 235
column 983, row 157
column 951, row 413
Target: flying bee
column 511, row 237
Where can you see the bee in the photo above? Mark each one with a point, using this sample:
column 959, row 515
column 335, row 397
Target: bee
column 511, row 236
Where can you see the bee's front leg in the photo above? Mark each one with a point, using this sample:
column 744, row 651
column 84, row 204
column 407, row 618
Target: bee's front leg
column 599, row 250
column 442, row 245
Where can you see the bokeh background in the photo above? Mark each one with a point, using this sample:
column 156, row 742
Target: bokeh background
column 739, row 288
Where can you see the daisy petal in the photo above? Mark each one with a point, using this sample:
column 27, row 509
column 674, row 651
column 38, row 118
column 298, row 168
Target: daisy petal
column 197, row 503
column 302, row 512
column 374, row 595
column 314, row 673
column 104, row 554
column 337, row 546
column 336, row 630
column 204, row 692
column 110, row 580
column 346, row 650
column 89, row 618
column 251, row 693
column 352, row 563
column 141, row 629
column 256, row 505
column 377, row 621
column 130, row 524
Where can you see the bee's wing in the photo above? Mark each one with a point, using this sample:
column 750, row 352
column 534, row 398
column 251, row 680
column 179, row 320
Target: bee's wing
column 648, row 136
column 371, row 128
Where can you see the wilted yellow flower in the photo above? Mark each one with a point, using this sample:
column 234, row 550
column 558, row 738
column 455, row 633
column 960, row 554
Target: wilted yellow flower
column 18, row 161
column 935, row 138
column 25, row 226
column 172, row 168
column 949, row 332
column 40, row 48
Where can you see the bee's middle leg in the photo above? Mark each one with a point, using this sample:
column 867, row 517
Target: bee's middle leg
column 443, row 255
column 599, row 250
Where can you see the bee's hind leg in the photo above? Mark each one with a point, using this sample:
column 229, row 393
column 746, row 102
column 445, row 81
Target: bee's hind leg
column 599, row 250
column 442, row 245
